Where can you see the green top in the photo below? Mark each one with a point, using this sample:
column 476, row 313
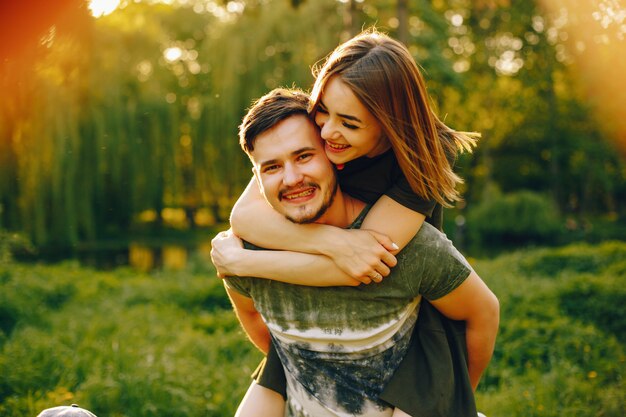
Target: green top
column 340, row 345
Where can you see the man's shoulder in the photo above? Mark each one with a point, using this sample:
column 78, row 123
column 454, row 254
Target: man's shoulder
column 432, row 264
column 429, row 238
column 238, row 284
column 428, row 232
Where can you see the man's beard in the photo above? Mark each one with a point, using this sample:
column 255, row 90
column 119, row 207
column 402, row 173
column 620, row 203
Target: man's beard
column 329, row 197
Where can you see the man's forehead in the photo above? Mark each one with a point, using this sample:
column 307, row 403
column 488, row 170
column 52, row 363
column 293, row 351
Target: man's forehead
column 291, row 136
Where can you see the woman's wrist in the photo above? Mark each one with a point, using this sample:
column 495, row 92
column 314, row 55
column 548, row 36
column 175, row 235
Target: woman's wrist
column 331, row 240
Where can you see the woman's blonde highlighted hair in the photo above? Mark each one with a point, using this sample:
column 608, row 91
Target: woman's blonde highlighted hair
column 384, row 76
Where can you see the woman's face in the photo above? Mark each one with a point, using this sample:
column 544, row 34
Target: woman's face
column 347, row 127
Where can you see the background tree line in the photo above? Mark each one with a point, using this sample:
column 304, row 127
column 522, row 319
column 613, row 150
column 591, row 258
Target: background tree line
column 108, row 121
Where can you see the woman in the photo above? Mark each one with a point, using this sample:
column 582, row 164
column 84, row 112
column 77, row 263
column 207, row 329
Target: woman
column 370, row 102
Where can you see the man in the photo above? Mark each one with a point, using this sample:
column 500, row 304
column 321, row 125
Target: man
column 341, row 345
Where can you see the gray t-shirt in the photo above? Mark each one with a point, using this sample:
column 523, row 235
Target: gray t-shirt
column 341, row 345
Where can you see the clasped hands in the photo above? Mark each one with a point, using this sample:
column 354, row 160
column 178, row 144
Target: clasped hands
column 226, row 248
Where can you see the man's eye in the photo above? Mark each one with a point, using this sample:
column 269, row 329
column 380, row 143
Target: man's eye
column 270, row 168
column 304, row 156
column 322, row 110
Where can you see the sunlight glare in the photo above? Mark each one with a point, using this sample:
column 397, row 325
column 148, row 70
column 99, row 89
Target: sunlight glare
column 596, row 33
column 101, row 8
column 172, row 54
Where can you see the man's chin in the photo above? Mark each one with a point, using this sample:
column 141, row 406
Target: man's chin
column 302, row 219
column 310, row 212
column 303, row 216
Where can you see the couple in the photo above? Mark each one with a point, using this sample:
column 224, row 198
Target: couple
column 353, row 350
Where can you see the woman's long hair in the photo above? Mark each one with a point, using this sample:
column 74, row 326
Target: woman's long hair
column 384, row 76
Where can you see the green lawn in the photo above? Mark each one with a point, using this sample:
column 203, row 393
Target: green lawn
column 123, row 343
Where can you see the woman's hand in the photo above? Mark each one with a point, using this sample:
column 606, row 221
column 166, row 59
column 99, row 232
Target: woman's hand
column 365, row 255
column 226, row 250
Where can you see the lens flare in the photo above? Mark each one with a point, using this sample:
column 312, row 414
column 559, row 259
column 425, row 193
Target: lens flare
column 101, row 8
column 596, row 33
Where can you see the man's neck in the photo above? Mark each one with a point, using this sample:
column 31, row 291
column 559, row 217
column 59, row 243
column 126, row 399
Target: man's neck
column 343, row 212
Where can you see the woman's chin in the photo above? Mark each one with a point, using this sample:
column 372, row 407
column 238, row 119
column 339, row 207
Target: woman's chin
column 338, row 159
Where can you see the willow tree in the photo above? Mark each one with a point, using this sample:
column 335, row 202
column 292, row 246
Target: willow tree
column 138, row 111
column 109, row 119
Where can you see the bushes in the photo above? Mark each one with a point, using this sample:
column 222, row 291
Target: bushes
column 599, row 301
column 513, row 220
column 576, row 258
column 12, row 242
column 560, row 346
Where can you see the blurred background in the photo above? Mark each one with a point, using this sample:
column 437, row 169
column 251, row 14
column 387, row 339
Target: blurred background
column 119, row 119
column 119, row 161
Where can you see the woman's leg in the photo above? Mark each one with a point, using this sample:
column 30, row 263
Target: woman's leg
column 261, row 402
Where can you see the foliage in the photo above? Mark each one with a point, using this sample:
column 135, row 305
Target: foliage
column 135, row 112
column 91, row 140
column 575, row 258
column 11, row 243
column 514, row 219
column 123, row 343
column 594, row 302
column 560, row 347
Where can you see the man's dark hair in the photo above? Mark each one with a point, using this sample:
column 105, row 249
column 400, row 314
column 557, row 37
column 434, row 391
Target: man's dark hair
column 268, row 111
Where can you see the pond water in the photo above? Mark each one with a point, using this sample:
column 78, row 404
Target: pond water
column 139, row 256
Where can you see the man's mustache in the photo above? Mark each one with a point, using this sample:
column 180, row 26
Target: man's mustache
column 288, row 190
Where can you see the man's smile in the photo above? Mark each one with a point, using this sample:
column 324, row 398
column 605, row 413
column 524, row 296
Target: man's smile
column 298, row 194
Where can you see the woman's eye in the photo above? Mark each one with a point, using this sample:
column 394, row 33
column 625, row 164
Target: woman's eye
column 350, row 126
column 321, row 110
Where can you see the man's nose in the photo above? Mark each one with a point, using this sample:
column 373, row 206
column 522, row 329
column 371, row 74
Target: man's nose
column 292, row 175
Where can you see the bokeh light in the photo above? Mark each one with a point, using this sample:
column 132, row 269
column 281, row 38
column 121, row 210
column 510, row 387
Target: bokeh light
column 101, row 8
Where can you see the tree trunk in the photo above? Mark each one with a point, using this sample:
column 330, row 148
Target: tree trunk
column 350, row 20
column 403, row 21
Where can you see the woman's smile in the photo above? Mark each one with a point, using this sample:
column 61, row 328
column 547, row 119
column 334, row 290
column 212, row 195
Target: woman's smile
column 336, row 147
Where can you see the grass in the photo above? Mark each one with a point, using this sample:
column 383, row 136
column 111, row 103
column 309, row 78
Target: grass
column 125, row 343
column 119, row 343
column 560, row 348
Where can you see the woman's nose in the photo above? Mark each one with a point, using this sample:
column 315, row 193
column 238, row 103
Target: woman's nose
column 328, row 130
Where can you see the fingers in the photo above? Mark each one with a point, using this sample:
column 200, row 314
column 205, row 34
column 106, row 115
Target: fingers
column 376, row 277
column 372, row 277
column 389, row 260
column 376, row 273
column 364, row 279
column 387, row 256
column 382, row 269
column 223, row 234
column 385, row 241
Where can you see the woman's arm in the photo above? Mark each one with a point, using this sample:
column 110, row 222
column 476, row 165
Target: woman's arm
column 393, row 219
column 474, row 302
column 231, row 259
column 359, row 253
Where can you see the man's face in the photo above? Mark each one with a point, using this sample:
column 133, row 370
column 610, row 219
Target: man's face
column 295, row 176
